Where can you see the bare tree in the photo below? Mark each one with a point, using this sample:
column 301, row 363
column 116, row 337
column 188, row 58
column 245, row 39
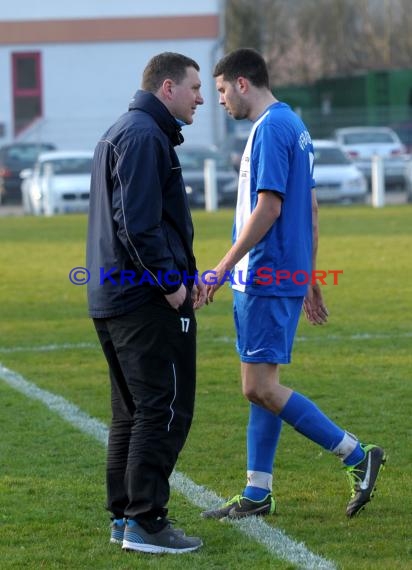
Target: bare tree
column 250, row 24
column 242, row 26
column 303, row 40
column 400, row 40
column 297, row 61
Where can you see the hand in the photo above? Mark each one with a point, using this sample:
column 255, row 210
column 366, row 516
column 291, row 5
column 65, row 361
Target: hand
column 314, row 307
column 199, row 295
column 216, row 275
column 177, row 298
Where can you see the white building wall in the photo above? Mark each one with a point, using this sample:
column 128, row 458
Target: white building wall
column 54, row 9
column 87, row 86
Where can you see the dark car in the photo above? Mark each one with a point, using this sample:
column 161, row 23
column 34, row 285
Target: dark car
column 13, row 159
column 404, row 132
column 234, row 146
column 192, row 161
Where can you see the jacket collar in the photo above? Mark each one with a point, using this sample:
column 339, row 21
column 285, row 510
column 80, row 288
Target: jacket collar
column 149, row 103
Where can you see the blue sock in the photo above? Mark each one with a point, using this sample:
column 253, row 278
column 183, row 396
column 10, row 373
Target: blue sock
column 355, row 457
column 263, row 433
column 255, row 493
column 310, row 421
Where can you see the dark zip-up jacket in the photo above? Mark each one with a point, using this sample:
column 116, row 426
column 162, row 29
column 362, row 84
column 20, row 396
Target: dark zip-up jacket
column 140, row 231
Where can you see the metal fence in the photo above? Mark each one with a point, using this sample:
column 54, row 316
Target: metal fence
column 322, row 122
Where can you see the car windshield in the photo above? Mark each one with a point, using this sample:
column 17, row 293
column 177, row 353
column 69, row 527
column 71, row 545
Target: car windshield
column 367, row 138
column 80, row 165
column 404, row 133
column 195, row 160
column 330, row 155
column 25, row 153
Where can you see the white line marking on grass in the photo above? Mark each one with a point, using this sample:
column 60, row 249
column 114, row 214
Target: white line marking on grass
column 49, row 347
column 95, row 345
column 337, row 337
column 275, row 540
column 69, row 412
column 358, row 336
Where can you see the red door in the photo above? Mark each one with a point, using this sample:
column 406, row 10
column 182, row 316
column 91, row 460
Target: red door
column 27, row 89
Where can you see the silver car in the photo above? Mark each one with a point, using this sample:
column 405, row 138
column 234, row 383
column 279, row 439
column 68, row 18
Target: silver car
column 362, row 143
column 58, row 184
column 337, row 178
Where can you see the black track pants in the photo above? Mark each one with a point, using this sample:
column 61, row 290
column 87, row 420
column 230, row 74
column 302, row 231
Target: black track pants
column 151, row 354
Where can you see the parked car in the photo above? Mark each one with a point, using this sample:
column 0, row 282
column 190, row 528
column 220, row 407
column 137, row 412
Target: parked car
column 58, row 184
column 404, row 132
column 234, row 146
column 362, row 143
column 13, row 159
column 337, row 178
column 192, row 161
column 409, row 182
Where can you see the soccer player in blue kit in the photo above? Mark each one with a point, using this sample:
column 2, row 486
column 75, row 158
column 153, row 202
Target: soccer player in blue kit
column 276, row 230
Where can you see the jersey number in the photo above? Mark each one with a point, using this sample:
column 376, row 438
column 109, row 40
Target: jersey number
column 185, row 324
column 311, row 161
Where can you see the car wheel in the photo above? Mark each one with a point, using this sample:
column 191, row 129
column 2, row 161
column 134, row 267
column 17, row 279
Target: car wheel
column 26, row 204
column 31, row 210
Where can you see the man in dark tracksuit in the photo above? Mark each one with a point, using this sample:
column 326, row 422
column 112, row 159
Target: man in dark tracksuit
column 141, row 295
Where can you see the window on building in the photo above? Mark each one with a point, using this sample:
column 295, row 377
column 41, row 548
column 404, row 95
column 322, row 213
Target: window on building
column 27, row 89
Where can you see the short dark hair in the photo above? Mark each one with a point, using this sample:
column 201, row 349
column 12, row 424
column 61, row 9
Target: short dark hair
column 243, row 62
column 166, row 65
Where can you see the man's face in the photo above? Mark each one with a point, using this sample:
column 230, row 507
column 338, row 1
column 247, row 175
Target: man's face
column 186, row 96
column 231, row 98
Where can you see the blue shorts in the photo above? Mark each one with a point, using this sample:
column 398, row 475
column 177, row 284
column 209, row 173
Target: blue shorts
column 265, row 327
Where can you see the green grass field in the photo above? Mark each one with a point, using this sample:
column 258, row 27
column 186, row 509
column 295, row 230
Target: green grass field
column 357, row 368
